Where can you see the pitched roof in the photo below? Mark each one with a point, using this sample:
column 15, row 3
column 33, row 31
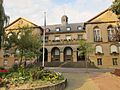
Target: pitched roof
column 20, row 19
column 63, row 28
column 98, row 15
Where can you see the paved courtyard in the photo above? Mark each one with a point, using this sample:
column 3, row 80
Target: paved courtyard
column 93, row 79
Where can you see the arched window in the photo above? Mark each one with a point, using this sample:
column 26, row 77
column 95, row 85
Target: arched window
column 97, row 34
column 57, row 52
column 110, row 33
column 99, row 49
column 68, row 51
column 114, row 49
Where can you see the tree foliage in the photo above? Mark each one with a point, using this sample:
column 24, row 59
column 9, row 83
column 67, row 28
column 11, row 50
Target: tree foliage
column 85, row 48
column 25, row 42
column 116, row 7
column 3, row 21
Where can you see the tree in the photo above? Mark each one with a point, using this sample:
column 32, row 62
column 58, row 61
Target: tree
column 116, row 9
column 3, row 22
column 25, row 42
column 116, row 6
column 85, row 48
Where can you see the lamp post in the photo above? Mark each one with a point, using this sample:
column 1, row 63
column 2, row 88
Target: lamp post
column 43, row 61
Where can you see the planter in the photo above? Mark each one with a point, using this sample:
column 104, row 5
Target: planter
column 59, row 86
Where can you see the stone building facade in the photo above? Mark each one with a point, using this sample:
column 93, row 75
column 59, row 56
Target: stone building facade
column 100, row 32
column 62, row 40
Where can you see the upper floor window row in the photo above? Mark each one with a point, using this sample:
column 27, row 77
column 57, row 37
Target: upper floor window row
column 97, row 33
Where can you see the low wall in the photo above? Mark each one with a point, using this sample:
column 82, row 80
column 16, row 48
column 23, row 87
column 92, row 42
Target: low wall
column 58, row 86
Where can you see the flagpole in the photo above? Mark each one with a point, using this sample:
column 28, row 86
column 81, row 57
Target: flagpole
column 43, row 62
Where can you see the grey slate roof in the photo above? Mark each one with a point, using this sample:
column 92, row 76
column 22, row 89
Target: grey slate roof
column 63, row 28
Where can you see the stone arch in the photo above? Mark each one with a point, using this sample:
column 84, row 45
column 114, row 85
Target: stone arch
column 45, row 53
column 55, row 54
column 68, row 54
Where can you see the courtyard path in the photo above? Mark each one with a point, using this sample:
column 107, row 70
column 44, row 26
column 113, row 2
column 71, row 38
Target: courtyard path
column 94, row 79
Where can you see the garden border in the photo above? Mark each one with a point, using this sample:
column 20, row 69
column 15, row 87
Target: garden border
column 59, row 86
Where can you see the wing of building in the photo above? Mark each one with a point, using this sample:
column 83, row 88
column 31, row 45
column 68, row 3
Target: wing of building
column 8, row 58
column 100, row 32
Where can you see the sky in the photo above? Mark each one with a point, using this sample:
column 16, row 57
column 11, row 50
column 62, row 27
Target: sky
column 76, row 10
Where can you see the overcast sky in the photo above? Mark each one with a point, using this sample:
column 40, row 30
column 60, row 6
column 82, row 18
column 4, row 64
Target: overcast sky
column 76, row 10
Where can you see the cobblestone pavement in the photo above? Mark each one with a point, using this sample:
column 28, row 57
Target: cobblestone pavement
column 82, row 79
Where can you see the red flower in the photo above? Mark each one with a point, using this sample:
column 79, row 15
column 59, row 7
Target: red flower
column 4, row 71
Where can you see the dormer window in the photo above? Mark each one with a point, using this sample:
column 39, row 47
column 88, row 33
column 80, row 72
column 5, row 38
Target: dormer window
column 68, row 29
column 79, row 28
column 47, row 30
column 57, row 29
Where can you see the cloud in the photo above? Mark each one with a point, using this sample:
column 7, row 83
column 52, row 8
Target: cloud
column 77, row 10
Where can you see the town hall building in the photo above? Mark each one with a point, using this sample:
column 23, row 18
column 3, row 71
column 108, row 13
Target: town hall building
column 62, row 40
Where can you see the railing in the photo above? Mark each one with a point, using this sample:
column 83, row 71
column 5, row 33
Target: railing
column 62, row 41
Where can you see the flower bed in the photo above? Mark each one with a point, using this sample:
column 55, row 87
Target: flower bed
column 29, row 78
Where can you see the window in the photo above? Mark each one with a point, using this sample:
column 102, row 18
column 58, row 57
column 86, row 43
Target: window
column 16, row 61
column 80, row 36
column 114, row 49
column 68, row 37
column 47, row 30
column 57, row 38
column 68, row 51
column 28, row 62
column 46, row 38
column 110, row 33
column 99, row 61
column 97, row 35
column 17, row 51
column 115, row 62
column 99, row 49
column 57, row 52
column 9, row 35
column 79, row 27
column 5, row 63
column 19, row 35
column 57, row 29
column 68, row 28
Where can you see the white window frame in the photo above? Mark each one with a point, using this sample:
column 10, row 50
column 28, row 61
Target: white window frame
column 97, row 34
column 113, row 48
column 57, row 29
column 68, row 37
column 57, row 38
column 110, row 33
column 68, row 29
column 79, row 27
column 98, row 49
